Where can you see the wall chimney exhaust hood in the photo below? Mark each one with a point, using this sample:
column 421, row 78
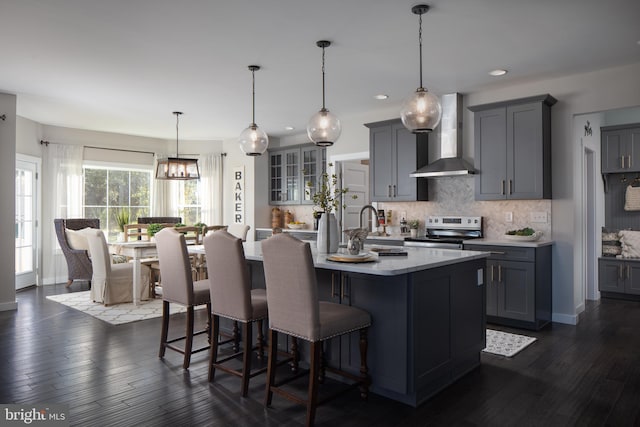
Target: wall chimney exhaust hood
column 450, row 162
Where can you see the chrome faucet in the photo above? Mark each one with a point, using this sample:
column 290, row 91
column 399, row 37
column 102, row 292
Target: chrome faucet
column 364, row 208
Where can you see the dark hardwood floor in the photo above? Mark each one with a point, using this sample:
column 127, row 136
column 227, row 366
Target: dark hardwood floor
column 111, row 376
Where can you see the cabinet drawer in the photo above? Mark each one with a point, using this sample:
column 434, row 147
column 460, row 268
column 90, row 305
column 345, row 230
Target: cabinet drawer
column 508, row 253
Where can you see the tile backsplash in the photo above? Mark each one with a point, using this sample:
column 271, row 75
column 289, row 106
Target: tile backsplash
column 455, row 196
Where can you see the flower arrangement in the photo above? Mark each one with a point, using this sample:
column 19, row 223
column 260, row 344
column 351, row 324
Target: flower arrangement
column 122, row 218
column 414, row 224
column 152, row 229
column 201, row 226
column 327, row 196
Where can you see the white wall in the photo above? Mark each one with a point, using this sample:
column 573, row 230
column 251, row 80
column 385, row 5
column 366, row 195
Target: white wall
column 8, row 205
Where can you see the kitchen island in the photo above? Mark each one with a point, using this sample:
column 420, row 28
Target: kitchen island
column 428, row 316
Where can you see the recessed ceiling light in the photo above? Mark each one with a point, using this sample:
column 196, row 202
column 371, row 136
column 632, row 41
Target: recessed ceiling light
column 497, row 72
column 381, row 96
column 289, row 128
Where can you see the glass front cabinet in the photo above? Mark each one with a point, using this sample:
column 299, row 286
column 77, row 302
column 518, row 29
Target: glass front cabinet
column 294, row 173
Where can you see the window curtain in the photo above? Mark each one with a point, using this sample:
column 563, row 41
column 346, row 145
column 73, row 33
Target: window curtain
column 62, row 198
column 211, row 188
column 164, row 195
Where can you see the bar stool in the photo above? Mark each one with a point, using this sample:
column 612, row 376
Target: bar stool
column 294, row 310
column 232, row 298
column 178, row 287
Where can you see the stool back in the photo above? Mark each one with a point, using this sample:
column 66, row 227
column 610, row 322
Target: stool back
column 175, row 267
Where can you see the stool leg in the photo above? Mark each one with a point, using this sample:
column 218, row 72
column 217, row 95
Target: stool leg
column 312, row 403
column 272, row 365
column 294, row 354
column 188, row 345
column 364, row 370
column 246, row 358
column 213, row 350
column 236, row 337
column 165, row 328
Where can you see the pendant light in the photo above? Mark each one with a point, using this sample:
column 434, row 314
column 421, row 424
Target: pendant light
column 421, row 113
column 324, row 128
column 253, row 140
column 177, row 167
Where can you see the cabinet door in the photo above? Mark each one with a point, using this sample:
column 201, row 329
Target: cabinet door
column 403, row 186
column 633, row 151
column 610, row 275
column 292, row 187
column 381, row 153
column 490, row 154
column 275, row 178
column 613, row 151
column 632, row 282
column 312, row 167
column 516, row 292
column 525, row 166
column 492, row 288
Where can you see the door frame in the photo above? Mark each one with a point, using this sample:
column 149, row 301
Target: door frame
column 37, row 161
column 337, row 160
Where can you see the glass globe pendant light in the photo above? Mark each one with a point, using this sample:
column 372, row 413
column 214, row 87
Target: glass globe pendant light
column 253, row 140
column 324, row 127
column 421, row 113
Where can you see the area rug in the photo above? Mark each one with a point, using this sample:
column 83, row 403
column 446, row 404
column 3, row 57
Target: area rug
column 506, row 344
column 116, row 314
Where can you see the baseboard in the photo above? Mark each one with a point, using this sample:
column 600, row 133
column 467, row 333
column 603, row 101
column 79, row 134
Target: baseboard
column 7, row 306
column 568, row 319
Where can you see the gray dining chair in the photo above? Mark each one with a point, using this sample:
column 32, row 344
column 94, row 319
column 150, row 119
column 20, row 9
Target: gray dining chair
column 178, row 287
column 294, row 309
column 233, row 298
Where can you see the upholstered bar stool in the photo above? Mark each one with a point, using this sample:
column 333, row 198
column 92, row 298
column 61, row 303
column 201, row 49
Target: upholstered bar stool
column 294, row 310
column 233, row 298
column 178, row 287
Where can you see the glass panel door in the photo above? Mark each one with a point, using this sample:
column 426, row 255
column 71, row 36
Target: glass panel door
column 25, row 224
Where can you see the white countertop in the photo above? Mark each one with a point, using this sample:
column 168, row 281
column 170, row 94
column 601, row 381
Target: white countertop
column 416, row 259
column 505, row 242
column 290, row 230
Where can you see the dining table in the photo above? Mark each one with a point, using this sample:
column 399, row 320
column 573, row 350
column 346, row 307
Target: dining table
column 142, row 250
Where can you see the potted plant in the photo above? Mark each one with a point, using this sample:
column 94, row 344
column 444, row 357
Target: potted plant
column 201, row 226
column 152, row 229
column 122, row 219
column 326, row 198
column 414, row 224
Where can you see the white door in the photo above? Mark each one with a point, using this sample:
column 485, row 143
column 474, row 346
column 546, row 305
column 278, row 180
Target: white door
column 355, row 177
column 25, row 227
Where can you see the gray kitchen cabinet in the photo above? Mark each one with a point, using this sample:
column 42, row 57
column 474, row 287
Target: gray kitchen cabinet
column 513, row 149
column 291, row 169
column 394, row 153
column 518, row 285
column 619, row 278
column 620, row 148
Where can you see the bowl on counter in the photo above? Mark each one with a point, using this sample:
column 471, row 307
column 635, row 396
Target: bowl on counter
column 532, row 238
column 296, row 226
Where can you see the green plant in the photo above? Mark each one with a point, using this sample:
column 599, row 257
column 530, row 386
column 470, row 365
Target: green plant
column 122, row 218
column 179, row 224
column 152, row 229
column 201, row 226
column 327, row 196
column 414, row 223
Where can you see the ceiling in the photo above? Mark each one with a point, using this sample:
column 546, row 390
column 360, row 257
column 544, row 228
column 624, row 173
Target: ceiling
column 124, row 66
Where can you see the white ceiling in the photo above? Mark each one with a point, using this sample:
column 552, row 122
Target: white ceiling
column 124, row 65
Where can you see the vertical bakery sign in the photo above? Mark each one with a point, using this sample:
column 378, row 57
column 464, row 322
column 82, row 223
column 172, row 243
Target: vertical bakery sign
column 238, row 195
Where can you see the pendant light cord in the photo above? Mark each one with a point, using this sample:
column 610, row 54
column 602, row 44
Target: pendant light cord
column 323, row 79
column 177, row 120
column 253, row 97
column 420, row 43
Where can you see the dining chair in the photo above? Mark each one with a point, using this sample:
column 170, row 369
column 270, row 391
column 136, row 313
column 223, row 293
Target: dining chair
column 77, row 256
column 233, row 298
column 294, row 309
column 239, row 230
column 134, row 232
column 112, row 283
column 178, row 287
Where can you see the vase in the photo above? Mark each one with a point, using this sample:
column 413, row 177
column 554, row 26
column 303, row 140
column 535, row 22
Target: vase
column 120, row 237
column 330, row 246
column 414, row 233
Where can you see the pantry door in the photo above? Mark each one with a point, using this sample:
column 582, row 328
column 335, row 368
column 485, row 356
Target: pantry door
column 26, row 223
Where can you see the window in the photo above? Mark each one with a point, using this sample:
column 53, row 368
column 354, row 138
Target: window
column 110, row 189
column 189, row 205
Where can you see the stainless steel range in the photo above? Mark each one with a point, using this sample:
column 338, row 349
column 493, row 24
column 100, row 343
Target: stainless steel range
column 447, row 232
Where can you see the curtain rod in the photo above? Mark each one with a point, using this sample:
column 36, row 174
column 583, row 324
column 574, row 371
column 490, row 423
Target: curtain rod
column 46, row 143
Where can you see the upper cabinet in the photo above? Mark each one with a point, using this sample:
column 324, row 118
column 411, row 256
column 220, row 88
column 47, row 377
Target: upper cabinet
column 292, row 171
column 394, row 153
column 620, row 148
column 513, row 149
